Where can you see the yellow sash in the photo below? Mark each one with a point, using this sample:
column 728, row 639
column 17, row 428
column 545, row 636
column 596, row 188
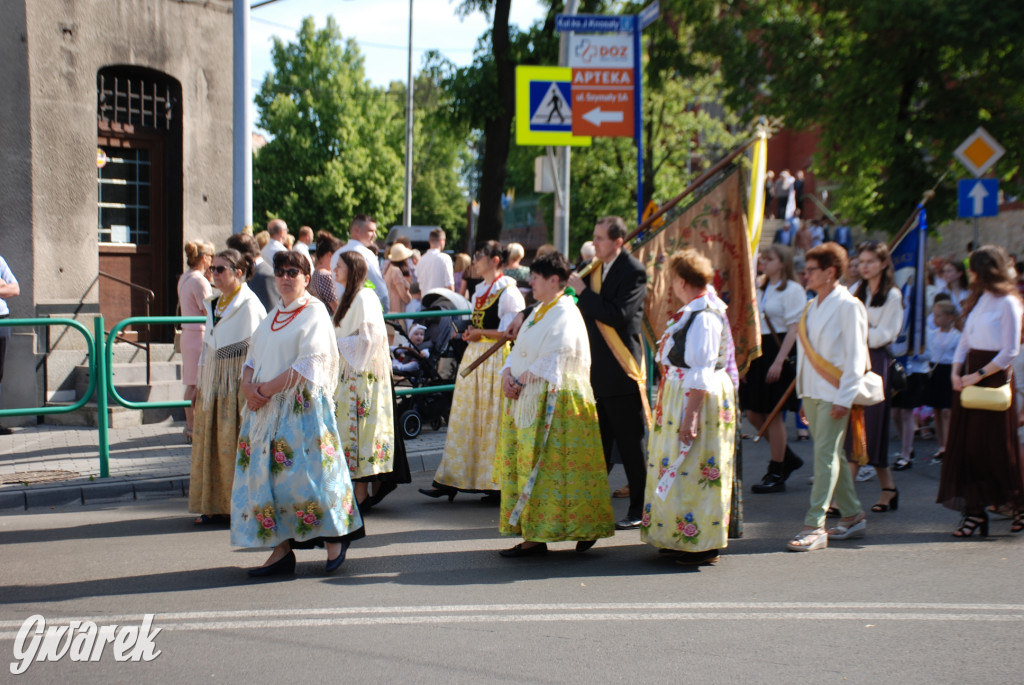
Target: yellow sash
column 622, row 354
column 832, row 374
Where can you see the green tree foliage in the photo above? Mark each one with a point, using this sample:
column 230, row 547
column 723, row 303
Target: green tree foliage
column 335, row 140
column 893, row 88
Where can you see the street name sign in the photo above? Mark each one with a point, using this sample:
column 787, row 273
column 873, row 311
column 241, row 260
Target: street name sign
column 979, row 152
column 978, row 197
column 594, row 23
column 544, row 109
column 648, row 15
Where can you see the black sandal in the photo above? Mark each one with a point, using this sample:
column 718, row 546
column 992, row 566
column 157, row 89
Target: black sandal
column 1018, row 522
column 893, row 505
column 969, row 524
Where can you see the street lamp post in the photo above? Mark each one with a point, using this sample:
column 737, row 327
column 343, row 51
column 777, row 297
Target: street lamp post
column 407, row 212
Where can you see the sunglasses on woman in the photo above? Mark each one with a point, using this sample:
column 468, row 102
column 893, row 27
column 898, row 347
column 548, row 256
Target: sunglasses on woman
column 218, row 269
column 290, row 273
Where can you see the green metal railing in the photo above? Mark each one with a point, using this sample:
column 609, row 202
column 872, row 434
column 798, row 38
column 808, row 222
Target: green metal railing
column 100, row 351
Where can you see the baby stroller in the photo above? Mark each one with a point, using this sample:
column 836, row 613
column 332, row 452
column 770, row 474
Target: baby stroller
column 443, row 340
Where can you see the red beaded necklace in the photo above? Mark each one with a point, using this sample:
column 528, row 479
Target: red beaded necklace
column 280, row 322
column 482, row 300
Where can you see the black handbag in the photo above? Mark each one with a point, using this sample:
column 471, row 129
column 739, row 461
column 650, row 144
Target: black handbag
column 897, row 377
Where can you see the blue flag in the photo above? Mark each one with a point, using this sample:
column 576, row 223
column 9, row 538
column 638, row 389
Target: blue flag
column 908, row 262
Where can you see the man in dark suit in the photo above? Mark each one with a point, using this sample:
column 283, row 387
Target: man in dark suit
column 618, row 305
column 262, row 282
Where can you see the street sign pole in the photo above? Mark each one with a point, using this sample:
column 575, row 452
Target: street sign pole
column 638, row 128
column 977, row 235
column 563, row 157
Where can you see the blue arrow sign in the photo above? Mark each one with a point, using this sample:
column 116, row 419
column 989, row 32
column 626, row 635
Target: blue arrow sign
column 594, row 23
column 978, row 197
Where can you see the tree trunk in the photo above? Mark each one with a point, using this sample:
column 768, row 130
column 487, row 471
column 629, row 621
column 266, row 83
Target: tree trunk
column 497, row 129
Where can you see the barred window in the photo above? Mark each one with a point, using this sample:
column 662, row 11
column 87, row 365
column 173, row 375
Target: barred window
column 137, row 97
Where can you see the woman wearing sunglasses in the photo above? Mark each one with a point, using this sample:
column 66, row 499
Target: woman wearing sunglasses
column 292, row 487
column 232, row 316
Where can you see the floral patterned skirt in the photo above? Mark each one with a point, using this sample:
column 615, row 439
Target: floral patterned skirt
column 469, row 450
column 694, row 516
column 296, row 485
column 570, row 498
column 214, row 442
column 366, row 421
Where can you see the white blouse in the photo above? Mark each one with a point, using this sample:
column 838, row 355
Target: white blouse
column 993, row 324
column 510, row 303
column 783, row 309
column 942, row 344
column 703, row 345
column 885, row 322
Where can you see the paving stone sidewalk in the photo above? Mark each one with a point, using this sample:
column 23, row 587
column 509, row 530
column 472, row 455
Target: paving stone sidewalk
column 49, row 466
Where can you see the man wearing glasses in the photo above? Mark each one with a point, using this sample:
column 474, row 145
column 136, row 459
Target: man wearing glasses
column 362, row 232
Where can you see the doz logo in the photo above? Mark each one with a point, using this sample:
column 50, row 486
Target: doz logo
column 594, row 52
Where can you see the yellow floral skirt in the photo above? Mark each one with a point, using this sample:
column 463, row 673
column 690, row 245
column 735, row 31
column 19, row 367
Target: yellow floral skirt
column 214, row 443
column 694, row 516
column 366, row 421
column 570, row 498
column 468, row 460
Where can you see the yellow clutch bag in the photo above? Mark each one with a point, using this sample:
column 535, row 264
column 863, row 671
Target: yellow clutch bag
column 989, row 399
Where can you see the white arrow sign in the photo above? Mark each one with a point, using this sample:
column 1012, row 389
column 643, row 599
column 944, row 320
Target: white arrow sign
column 597, row 117
column 978, row 194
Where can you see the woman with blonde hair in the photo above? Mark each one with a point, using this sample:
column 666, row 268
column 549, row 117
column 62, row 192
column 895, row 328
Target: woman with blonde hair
column 193, row 289
column 983, row 465
column 398, row 277
column 460, row 267
column 232, row 316
column 691, row 445
column 514, row 269
column 781, row 301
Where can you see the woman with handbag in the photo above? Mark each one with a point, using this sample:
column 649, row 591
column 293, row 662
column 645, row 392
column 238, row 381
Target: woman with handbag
column 831, row 365
column 781, row 303
column 884, row 304
column 983, row 463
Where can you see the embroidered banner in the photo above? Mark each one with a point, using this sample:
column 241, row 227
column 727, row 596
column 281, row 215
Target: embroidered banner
column 714, row 223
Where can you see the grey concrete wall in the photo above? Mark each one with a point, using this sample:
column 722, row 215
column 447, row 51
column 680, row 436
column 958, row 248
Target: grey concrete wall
column 51, row 52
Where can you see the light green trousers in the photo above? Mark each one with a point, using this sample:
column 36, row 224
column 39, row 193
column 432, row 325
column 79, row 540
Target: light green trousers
column 832, row 477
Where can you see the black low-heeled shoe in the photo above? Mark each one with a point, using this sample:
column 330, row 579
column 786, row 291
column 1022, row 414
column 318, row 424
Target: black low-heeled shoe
column 285, row 566
column 520, row 551
column 893, row 505
column 440, row 492
column 384, row 489
column 333, row 564
column 970, row 523
column 584, row 545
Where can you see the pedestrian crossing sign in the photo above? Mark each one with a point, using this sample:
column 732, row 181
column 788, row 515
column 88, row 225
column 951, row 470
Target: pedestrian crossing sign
column 543, row 109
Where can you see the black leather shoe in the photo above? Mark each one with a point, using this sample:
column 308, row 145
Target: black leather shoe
column 440, row 492
column 285, row 566
column 710, row 556
column 790, row 463
column 520, row 551
column 382, row 490
column 584, row 545
column 627, row 523
column 333, row 564
column 772, row 482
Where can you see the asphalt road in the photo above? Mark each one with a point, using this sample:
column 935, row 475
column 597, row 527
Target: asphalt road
column 426, row 598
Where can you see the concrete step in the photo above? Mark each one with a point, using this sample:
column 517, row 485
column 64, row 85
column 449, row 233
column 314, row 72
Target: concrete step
column 123, row 353
column 133, row 374
column 117, row 416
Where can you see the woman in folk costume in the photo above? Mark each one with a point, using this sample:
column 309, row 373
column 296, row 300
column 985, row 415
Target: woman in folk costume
column 468, row 459
column 831, row 363
column 363, row 399
column 554, row 485
column 292, row 487
column 231, row 317
column 691, row 446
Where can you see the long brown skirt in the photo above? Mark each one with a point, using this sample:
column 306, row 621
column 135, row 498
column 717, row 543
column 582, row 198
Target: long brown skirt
column 983, row 463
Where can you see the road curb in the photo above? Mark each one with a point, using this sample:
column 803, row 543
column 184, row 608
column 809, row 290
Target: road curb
column 94, row 493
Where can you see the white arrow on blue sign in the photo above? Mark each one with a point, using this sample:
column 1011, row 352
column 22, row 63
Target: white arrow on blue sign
column 978, row 197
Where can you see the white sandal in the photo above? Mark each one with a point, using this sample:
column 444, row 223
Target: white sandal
column 808, row 540
column 846, row 530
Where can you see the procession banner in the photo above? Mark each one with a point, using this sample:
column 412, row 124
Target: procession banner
column 908, row 262
column 715, row 224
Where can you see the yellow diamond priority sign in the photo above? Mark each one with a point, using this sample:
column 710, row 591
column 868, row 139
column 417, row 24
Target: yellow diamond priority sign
column 979, row 152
